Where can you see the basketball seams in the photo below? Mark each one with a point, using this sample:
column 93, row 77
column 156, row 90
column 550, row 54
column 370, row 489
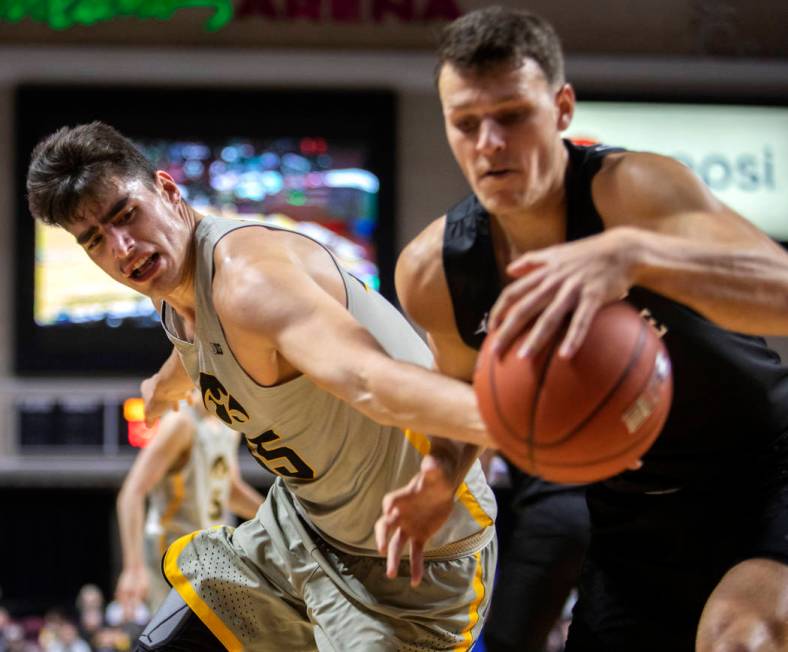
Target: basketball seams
column 526, row 400
column 634, row 357
column 543, row 373
column 496, row 404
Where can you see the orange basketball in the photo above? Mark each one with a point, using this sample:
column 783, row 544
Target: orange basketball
column 586, row 418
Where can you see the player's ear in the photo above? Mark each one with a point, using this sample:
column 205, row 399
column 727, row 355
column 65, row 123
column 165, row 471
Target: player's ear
column 168, row 186
column 565, row 102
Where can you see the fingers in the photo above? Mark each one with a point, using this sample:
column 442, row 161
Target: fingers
column 513, row 295
column 382, row 534
column 152, row 417
column 548, row 323
column 523, row 265
column 394, row 554
column 416, row 563
column 578, row 328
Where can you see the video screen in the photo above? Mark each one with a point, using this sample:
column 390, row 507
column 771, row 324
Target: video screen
column 312, row 185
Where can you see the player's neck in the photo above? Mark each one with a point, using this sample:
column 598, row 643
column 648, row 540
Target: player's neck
column 182, row 298
column 535, row 227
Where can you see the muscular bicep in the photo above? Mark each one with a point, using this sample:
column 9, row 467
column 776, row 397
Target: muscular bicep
column 424, row 294
column 298, row 319
column 660, row 194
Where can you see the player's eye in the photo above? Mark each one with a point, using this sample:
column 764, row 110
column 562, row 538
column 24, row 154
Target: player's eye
column 125, row 216
column 511, row 117
column 466, row 126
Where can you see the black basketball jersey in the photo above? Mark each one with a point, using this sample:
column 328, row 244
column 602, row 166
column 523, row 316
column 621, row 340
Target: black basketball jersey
column 730, row 390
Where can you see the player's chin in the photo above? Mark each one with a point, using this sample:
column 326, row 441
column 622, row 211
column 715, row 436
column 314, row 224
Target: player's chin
column 499, row 200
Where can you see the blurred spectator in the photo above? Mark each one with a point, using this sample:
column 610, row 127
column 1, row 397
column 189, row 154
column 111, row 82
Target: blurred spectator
column 90, row 597
column 68, row 639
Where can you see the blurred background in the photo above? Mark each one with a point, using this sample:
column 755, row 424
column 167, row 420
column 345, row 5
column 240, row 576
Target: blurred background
column 319, row 115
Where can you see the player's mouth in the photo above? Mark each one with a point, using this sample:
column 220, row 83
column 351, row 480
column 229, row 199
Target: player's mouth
column 143, row 268
column 497, row 174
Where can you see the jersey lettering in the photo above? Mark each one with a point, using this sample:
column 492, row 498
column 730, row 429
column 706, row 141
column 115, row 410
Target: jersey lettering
column 295, row 467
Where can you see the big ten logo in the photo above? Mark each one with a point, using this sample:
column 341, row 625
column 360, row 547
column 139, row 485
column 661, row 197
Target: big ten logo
column 747, row 171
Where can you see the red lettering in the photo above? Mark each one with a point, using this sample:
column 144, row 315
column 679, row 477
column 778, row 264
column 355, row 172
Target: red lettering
column 303, row 9
column 402, row 9
column 346, row 11
column 441, row 10
column 256, row 8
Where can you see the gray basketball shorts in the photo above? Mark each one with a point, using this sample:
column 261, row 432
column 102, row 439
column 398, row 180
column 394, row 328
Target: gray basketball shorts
column 273, row 584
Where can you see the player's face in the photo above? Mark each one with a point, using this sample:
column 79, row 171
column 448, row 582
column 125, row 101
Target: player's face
column 504, row 129
column 137, row 235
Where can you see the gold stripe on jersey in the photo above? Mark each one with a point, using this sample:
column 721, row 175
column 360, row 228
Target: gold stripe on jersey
column 177, row 491
column 184, row 588
column 473, row 609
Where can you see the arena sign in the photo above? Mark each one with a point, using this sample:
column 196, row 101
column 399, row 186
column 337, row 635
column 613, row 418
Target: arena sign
column 63, row 14
column 740, row 152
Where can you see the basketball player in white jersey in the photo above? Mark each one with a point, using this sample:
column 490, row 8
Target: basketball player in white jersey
column 189, row 475
column 323, row 377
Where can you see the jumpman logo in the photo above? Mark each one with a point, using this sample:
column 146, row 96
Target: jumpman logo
column 482, row 328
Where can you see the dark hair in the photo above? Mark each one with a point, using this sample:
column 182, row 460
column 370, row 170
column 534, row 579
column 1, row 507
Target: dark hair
column 488, row 38
column 75, row 164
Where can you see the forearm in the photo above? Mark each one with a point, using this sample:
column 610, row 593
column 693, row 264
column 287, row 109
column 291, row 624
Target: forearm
column 244, row 500
column 172, row 380
column 412, row 397
column 131, row 516
column 455, row 459
column 739, row 287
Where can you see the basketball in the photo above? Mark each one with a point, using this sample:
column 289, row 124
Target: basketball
column 586, row 418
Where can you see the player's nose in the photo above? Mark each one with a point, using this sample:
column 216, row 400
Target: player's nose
column 491, row 138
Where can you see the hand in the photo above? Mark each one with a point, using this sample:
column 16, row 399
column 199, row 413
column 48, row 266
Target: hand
column 551, row 283
column 157, row 401
column 132, row 589
column 411, row 515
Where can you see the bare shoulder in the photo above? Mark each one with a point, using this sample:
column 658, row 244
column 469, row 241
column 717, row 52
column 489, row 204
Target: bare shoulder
column 421, row 281
column 635, row 187
column 250, row 263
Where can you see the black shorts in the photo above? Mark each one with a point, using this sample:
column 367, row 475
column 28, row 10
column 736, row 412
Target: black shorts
column 543, row 541
column 654, row 559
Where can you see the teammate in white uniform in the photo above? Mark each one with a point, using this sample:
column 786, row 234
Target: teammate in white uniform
column 189, row 474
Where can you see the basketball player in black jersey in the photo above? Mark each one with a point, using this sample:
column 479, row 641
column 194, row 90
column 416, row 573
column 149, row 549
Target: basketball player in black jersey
column 690, row 550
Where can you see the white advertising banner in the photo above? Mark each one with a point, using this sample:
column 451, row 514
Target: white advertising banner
column 740, row 152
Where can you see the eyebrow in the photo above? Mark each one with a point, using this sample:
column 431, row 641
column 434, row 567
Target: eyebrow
column 85, row 237
column 498, row 104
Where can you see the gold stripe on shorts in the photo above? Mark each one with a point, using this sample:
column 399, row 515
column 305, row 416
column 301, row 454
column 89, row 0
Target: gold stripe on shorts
column 473, row 609
column 184, row 588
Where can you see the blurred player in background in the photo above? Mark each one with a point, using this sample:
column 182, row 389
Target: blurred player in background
column 189, row 474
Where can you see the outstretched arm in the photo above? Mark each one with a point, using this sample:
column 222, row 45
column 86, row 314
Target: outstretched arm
column 664, row 230
column 172, row 441
column 305, row 325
